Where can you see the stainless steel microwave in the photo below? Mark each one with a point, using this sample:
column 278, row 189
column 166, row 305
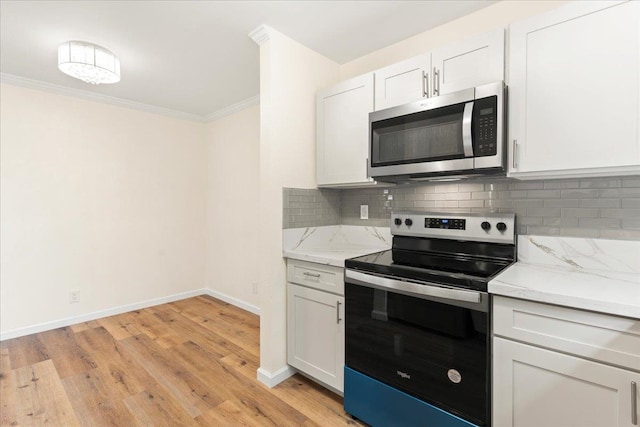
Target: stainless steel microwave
column 456, row 134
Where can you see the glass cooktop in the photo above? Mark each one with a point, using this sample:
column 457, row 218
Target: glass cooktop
column 459, row 264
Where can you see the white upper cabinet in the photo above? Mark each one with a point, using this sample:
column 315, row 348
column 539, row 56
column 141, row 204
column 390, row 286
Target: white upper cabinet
column 403, row 82
column 574, row 90
column 342, row 132
column 471, row 62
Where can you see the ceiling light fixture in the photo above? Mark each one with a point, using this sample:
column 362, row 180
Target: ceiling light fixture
column 88, row 62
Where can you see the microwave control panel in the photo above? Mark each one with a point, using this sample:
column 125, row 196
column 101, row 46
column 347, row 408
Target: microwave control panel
column 485, row 122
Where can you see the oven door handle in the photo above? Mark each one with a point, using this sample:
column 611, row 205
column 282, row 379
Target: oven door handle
column 417, row 288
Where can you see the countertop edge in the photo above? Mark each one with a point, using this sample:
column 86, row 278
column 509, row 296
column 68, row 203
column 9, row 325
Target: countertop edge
column 566, row 292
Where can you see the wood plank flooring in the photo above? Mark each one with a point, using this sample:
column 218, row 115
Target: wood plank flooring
column 187, row 363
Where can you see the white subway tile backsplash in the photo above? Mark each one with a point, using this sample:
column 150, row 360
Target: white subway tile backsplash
column 580, row 212
column 561, row 184
column 595, row 207
column 562, row 203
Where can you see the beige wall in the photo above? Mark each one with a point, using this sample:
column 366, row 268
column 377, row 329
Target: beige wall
column 128, row 206
column 500, row 14
column 103, row 199
column 233, row 148
column 290, row 76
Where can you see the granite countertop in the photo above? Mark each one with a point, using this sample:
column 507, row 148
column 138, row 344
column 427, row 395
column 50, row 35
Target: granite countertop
column 331, row 245
column 591, row 274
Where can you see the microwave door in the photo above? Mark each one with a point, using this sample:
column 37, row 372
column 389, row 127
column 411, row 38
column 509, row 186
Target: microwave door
column 431, row 141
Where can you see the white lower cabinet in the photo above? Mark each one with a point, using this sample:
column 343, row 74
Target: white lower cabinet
column 587, row 375
column 315, row 333
column 537, row 387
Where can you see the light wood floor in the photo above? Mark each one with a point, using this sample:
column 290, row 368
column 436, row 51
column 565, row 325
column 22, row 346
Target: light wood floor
column 190, row 362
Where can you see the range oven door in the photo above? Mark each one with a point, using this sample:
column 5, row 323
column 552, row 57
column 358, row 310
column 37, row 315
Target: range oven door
column 431, row 342
column 452, row 133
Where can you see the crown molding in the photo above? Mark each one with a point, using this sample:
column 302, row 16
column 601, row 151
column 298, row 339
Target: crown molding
column 92, row 96
column 261, row 34
column 233, row 108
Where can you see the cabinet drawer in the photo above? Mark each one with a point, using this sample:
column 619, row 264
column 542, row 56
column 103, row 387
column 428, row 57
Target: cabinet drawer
column 609, row 339
column 319, row 276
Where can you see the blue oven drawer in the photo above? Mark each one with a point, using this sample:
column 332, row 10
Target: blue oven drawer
column 380, row 405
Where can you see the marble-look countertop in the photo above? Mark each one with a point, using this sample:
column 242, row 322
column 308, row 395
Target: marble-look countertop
column 592, row 274
column 332, row 244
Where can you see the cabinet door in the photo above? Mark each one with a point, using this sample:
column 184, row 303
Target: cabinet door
column 574, row 91
column 315, row 335
column 536, row 387
column 343, row 130
column 471, row 62
column 403, row 82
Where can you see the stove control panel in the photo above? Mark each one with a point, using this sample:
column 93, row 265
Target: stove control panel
column 481, row 227
column 449, row 223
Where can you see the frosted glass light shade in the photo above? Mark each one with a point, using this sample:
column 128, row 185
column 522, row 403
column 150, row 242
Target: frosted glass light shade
column 88, row 62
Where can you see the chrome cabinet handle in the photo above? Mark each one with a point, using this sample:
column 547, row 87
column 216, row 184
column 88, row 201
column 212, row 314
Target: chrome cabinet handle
column 338, row 319
column 634, row 403
column 436, row 82
column 514, row 162
column 425, row 84
column 306, row 273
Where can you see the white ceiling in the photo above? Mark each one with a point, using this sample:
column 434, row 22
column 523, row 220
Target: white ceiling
column 196, row 56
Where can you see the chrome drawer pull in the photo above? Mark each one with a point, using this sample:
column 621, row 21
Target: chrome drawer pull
column 306, row 273
column 634, row 403
column 338, row 319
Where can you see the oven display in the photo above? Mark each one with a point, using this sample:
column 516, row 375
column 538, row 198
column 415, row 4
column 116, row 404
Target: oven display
column 455, row 224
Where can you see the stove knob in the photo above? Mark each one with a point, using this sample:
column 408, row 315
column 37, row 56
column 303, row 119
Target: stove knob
column 485, row 226
column 397, row 222
column 501, row 226
column 408, row 222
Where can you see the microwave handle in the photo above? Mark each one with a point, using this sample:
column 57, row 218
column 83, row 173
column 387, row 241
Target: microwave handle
column 467, row 139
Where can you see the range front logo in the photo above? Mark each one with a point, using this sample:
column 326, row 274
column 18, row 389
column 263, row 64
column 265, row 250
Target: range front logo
column 403, row 375
column 454, row 376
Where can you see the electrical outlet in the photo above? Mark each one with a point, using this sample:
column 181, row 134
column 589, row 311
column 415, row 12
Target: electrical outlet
column 74, row 296
column 364, row 211
column 255, row 287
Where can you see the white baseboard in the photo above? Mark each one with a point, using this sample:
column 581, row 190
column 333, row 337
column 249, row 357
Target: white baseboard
column 47, row 326
column 273, row 379
column 233, row 301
